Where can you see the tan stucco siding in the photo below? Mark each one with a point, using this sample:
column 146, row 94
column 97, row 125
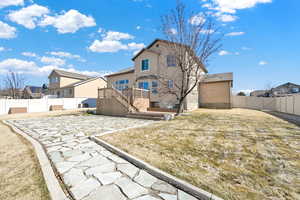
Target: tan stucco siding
column 89, row 89
column 215, row 94
column 64, row 81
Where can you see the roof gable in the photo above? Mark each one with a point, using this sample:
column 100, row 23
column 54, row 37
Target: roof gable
column 69, row 74
column 168, row 42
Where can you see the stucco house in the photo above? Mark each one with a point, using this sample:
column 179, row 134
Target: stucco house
column 66, row 84
column 157, row 60
column 32, row 92
column 279, row 91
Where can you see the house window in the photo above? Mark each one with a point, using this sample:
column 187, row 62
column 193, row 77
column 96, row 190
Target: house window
column 154, row 84
column 54, row 80
column 145, row 65
column 121, row 84
column 171, row 61
column 70, row 91
column 154, row 91
column 144, row 85
column 154, row 87
column 170, row 83
column 295, row 90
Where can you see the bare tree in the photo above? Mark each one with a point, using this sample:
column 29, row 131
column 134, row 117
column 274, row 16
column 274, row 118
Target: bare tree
column 193, row 39
column 14, row 83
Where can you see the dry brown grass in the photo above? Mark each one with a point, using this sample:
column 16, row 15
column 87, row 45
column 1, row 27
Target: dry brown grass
column 235, row 154
column 20, row 174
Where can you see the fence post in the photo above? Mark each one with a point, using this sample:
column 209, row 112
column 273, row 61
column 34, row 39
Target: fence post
column 286, row 104
column 293, row 104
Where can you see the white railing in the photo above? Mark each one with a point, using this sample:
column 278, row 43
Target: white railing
column 43, row 105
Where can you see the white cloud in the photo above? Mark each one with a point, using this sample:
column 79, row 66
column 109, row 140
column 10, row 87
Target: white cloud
column 227, row 18
column 31, row 68
column 69, row 22
column 246, row 48
column 53, row 61
column 68, row 55
column 173, row 31
column 263, row 63
column 230, row 6
column 235, row 33
column 28, row 16
column 210, row 31
column 20, row 66
column 223, row 53
column 6, row 3
column 107, row 46
column 7, row 31
column 29, row 54
column 111, row 43
column 2, row 49
column 197, row 19
column 136, row 46
column 138, row 27
column 113, row 35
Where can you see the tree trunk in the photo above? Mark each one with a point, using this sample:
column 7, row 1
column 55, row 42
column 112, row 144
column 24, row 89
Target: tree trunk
column 180, row 107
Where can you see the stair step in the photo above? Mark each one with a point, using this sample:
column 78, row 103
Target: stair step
column 153, row 116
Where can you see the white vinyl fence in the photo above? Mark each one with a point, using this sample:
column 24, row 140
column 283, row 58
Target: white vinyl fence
column 289, row 104
column 43, row 105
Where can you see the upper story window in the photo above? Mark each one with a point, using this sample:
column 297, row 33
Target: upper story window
column 171, row 61
column 170, row 83
column 145, row 65
column 144, row 85
column 54, row 80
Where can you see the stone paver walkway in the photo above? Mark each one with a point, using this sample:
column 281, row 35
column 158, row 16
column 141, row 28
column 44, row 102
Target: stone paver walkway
column 89, row 171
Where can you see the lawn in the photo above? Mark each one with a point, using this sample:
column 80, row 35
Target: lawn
column 20, row 174
column 235, row 154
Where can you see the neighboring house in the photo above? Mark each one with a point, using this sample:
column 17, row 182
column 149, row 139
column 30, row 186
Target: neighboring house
column 258, row 93
column 66, row 84
column 32, row 92
column 285, row 89
column 281, row 90
column 150, row 64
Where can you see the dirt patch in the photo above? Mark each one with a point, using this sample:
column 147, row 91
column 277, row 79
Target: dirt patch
column 235, row 154
column 20, row 173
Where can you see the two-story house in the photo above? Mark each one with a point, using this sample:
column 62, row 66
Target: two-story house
column 66, row 84
column 154, row 68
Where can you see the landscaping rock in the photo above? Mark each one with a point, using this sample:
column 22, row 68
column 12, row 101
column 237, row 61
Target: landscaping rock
column 83, row 189
column 145, row 179
column 128, row 169
column 131, row 189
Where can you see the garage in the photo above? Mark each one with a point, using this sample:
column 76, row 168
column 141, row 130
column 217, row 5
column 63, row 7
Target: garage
column 215, row 91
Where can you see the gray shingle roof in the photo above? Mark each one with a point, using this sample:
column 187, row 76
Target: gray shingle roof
column 71, row 74
column 123, row 71
column 218, row 77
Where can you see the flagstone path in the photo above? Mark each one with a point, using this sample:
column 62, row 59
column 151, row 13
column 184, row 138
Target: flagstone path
column 89, row 171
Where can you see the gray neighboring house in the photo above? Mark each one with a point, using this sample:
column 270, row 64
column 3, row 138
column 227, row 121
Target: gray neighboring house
column 279, row 91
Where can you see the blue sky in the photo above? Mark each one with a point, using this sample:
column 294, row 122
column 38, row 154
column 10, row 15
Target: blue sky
column 260, row 46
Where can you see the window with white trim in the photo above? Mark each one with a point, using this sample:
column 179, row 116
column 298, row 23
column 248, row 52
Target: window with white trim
column 170, row 83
